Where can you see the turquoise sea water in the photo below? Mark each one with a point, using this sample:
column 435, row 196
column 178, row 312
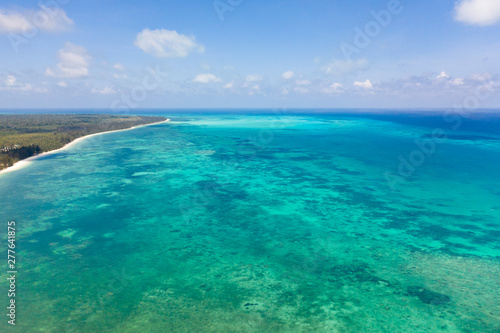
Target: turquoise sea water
column 261, row 223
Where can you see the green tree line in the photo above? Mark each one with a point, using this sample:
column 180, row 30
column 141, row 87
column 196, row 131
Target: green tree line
column 25, row 135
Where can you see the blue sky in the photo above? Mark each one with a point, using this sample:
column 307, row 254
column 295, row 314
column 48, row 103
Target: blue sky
column 242, row 53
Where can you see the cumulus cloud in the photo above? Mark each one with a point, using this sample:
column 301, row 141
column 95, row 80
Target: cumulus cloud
column 10, row 80
column 334, row 88
column 255, row 90
column 167, row 43
column 253, row 78
column 49, row 19
column 366, row 84
column 10, row 83
column 55, row 20
column 288, row 75
column 73, row 62
column 343, row 67
column 229, row 85
column 13, row 22
column 482, row 77
column 442, row 75
column 478, row 12
column 28, row 87
column 206, row 78
column 119, row 67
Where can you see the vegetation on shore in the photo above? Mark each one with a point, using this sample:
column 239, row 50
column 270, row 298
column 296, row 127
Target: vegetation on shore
column 26, row 135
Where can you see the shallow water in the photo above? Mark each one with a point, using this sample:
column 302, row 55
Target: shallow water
column 262, row 223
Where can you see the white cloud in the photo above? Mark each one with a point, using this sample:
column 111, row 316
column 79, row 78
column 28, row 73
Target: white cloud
column 12, row 22
column 366, row 84
column 478, row 12
column 301, row 90
column 288, row 75
column 431, row 89
column 303, row 82
column 62, row 84
column 206, row 78
column 27, row 87
column 49, row 19
column 482, row 77
column 253, row 78
column 104, row 91
column 167, row 43
column 442, row 75
column 120, row 76
column 255, row 89
column 57, row 20
column 118, row 66
column 334, row 88
column 285, row 91
column 343, row 67
column 73, row 62
column 10, row 80
column 10, row 83
column 230, row 85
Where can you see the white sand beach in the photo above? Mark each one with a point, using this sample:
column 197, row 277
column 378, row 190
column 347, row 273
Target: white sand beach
column 23, row 163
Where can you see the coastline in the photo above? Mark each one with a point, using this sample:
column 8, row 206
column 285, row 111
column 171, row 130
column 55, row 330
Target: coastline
column 23, row 163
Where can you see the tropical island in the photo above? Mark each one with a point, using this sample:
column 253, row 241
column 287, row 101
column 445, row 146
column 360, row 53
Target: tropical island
column 26, row 135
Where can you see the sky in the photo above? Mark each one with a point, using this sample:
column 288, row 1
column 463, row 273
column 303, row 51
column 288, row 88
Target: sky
column 130, row 55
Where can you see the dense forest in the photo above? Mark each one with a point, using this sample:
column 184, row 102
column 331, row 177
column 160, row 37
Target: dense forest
column 25, row 135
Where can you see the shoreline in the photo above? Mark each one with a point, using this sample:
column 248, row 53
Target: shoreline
column 23, row 163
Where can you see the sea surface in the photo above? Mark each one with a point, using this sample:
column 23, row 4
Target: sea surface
column 263, row 221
